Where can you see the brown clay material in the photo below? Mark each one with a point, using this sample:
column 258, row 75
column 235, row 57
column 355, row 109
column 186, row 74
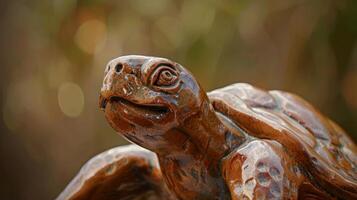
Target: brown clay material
column 128, row 172
column 238, row 142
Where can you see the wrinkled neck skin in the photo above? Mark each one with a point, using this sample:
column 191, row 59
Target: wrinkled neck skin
column 191, row 164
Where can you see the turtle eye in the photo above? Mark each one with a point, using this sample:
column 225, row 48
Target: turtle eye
column 164, row 76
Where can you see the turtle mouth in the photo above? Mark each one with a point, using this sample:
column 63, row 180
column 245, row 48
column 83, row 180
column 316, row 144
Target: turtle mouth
column 153, row 109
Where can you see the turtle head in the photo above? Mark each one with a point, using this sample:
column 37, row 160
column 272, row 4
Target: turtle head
column 145, row 97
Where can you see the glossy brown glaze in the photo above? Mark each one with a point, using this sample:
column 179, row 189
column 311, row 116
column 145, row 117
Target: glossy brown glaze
column 238, row 142
column 171, row 117
column 321, row 148
column 267, row 172
column 127, row 172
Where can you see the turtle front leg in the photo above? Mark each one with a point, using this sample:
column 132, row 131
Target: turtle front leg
column 262, row 169
column 128, row 172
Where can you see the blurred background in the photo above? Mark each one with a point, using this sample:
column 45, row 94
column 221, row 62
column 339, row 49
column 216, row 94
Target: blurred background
column 53, row 55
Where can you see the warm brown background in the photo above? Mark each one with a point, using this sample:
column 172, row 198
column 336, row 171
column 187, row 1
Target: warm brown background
column 53, row 54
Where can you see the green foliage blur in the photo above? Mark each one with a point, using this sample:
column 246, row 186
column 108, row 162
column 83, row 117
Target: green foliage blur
column 53, row 55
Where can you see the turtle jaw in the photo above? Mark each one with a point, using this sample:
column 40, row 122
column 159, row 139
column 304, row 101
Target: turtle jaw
column 142, row 109
column 131, row 110
column 144, row 124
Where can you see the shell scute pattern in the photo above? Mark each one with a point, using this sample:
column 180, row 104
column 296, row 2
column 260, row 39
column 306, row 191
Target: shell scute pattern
column 313, row 140
column 264, row 175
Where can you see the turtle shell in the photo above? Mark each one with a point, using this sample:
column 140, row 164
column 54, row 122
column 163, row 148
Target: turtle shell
column 325, row 152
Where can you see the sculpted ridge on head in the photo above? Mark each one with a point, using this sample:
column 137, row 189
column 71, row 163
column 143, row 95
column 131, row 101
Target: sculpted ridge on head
column 144, row 97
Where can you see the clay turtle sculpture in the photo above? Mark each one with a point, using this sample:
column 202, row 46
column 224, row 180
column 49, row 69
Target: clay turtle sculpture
column 238, row 142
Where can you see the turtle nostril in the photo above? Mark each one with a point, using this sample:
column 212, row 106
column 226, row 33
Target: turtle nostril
column 118, row 67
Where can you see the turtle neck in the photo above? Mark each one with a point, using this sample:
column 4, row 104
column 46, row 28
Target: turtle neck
column 192, row 166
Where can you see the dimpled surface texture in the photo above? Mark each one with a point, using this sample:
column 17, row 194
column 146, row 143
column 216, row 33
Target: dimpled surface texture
column 317, row 144
column 237, row 142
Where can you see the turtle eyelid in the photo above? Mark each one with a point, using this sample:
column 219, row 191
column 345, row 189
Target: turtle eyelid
column 154, row 67
column 151, row 71
column 151, row 67
column 155, row 76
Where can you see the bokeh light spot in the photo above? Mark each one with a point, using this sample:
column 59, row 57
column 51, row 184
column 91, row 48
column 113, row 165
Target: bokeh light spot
column 91, row 36
column 71, row 99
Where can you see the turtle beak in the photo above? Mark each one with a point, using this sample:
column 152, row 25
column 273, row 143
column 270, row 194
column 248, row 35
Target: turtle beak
column 102, row 102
